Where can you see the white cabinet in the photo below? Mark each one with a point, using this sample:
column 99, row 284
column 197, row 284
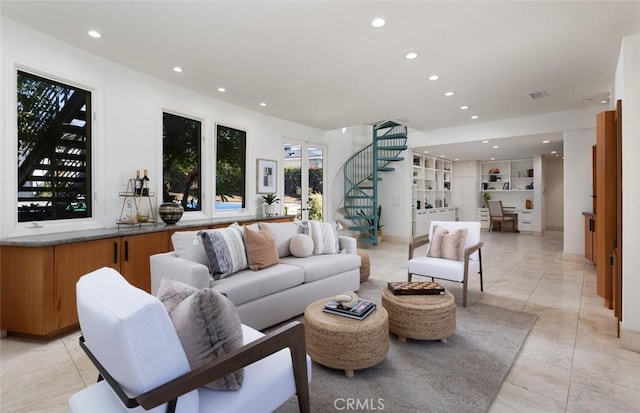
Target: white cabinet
column 526, row 218
column 424, row 218
column 482, row 216
column 430, row 192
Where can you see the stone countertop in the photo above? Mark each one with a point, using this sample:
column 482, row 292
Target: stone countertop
column 58, row 238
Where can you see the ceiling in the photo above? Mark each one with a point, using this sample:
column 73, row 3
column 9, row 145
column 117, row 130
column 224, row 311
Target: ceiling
column 322, row 64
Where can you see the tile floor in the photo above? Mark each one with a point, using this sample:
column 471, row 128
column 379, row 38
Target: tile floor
column 571, row 361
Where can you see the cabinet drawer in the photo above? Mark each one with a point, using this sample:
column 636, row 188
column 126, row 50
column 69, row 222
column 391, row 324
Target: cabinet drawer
column 525, row 225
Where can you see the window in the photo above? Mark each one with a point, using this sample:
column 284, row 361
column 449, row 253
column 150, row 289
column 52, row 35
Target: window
column 181, row 161
column 230, row 168
column 54, row 150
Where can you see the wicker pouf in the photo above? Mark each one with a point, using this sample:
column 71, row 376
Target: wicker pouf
column 344, row 343
column 421, row 317
column 365, row 265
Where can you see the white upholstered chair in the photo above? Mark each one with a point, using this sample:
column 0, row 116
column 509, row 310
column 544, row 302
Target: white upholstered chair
column 448, row 269
column 128, row 335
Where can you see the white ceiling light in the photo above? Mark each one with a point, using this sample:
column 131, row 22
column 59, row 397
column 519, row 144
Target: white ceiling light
column 449, row 93
column 495, row 146
column 177, row 69
column 442, row 156
column 434, row 77
column 456, row 159
column 485, row 141
column 94, row 33
column 263, row 104
column 464, row 107
column 426, row 151
column 545, row 141
column 378, row 22
column 604, row 101
column 221, row 89
column 411, row 56
column 493, row 159
column 586, row 100
column 475, row 117
column 554, row 151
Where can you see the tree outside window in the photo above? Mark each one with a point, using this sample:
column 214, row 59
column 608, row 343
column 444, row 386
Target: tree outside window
column 230, row 168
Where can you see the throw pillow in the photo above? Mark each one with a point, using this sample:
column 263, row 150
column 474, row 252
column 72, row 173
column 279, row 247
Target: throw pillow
column 301, row 245
column 187, row 245
column 225, row 251
column 208, row 326
column 325, row 238
column 453, row 244
column 435, row 243
column 261, row 249
column 281, row 232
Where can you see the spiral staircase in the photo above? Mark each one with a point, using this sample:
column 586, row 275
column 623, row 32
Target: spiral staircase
column 362, row 174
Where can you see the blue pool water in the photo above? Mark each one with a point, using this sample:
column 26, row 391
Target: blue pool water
column 228, row 205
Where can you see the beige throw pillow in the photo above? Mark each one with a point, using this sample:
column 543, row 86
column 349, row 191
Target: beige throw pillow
column 448, row 245
column 261, row 249
column 435, row 243
column 207, row 324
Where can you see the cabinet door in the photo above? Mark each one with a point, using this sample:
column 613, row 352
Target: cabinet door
column 73, row 261
column 135, row 253
column 27, row 285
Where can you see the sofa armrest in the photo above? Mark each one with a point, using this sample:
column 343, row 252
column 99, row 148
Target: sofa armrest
column 348, row 243
column 167, row 265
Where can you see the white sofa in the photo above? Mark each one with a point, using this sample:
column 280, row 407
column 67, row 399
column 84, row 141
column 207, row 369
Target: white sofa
column 274, row 294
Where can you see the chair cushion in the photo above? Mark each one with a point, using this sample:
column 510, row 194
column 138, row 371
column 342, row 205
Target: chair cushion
column 282, row 232
column 188, row 245
column 129, row 330
column 301, row 245
column 225, row 250
column 261, row 249
column 442, row 268
column 317, row 267
column 207, row 324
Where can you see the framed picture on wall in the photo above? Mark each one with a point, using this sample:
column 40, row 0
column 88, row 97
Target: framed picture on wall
column 266, row 176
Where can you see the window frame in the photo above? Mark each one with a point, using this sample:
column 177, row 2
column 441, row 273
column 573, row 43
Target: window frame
column 244, row 209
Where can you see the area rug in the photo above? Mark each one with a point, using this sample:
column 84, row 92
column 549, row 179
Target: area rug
column 462, row 375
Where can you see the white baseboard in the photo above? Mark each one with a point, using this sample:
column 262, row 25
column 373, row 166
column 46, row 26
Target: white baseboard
column 630, row 340
column 573, row 257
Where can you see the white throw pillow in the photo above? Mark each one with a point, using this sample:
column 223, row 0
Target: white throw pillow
column 325, row 237
column 281, row 232
column 187, row 245
column 301, row 245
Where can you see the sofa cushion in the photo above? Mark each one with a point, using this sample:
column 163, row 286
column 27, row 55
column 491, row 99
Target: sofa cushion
column 324, row 236
column 247, row 285
column 225, row 251
column 282, row 232
column 188, row 245
column 301, row 245
column 261, row 249
column 317, row 267
column 207, row 324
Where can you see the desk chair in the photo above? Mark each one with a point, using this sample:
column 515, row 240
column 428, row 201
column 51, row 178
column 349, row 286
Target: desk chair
column 497, row 215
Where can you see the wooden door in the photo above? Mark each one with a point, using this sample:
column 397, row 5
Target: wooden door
column 606, row 201
column 72, row 261
column 617, row 250
column 26, row 289
column 135, row 253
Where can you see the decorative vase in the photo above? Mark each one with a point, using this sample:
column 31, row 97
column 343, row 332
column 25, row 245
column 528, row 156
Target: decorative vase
column 170, row 212
column 269, row 209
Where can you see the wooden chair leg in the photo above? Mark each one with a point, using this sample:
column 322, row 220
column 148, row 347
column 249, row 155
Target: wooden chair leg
column 409, row 277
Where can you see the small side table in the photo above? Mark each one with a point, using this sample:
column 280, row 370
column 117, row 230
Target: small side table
column 365, row 265
column 343, row 343
column 420, row 317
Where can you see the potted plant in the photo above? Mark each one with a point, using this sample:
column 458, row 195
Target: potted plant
column 485, row 198
column 269, row 206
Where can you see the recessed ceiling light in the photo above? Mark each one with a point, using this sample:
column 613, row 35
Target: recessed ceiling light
column 456, row 159
column 434, row 77
column 426, row 151
column 263, row 104
column 493, row 159
column 378, row 22
column 554, row 151
column 545, row 141
column 344, row 129
column 411, row 56
column 604, row 101
column 449, row 93
column 495, row 146
column 94, row 33
column 177, row 69
column 587, row 100
column 464, row 107
column 475, row 117
column 221, row 89
column 485, row 141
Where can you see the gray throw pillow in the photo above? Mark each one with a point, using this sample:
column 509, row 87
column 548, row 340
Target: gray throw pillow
column 207, row 324
column 225, row 251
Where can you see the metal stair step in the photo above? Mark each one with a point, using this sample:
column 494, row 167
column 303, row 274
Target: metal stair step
column 371, row 178
column 361, row 217
column 359, row 206
column 392, row 136
column 365, row 187
column 357, row 197
column 385, row 169
column 390, row 159
column 392, row 148
column 361, row 229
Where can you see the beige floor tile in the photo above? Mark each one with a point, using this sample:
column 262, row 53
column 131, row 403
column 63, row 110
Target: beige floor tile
column 513, row 399
column 588, row 394
column 543, row 378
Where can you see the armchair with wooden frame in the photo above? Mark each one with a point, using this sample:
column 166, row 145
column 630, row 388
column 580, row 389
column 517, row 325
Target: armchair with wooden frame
column 129, row 337
column 498, row 216
column 447, row 269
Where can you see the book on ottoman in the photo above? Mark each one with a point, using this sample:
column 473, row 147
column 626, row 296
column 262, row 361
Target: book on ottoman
column 416, row 288
column 361, row 310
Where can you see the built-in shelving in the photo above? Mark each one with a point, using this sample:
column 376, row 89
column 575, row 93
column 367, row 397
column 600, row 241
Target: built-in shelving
column 430, row 191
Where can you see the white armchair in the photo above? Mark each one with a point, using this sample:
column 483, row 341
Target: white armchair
column 449, row 269
column 128, row 335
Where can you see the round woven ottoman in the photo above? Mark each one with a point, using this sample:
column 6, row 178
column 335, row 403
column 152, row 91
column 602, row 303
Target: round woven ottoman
column 344, row 343
column 365, row 265
column 421, row 317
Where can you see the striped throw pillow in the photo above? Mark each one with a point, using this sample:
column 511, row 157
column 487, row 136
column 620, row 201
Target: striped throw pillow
column 324, row 236
column 225, row 251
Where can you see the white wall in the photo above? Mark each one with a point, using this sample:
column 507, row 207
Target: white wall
column 465, row 187
column 577, row 188
column 128, row 128
column 628, row 89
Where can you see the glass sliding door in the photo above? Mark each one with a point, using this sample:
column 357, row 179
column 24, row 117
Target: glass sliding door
column 303, row 180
